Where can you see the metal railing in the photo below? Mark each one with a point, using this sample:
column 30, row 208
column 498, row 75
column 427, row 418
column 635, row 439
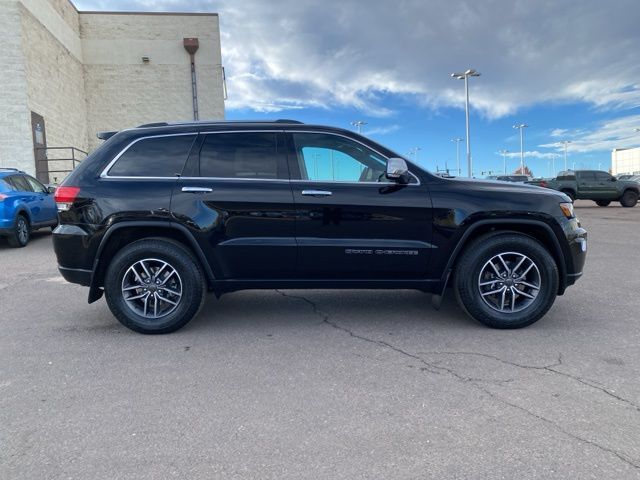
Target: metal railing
column 63, row 160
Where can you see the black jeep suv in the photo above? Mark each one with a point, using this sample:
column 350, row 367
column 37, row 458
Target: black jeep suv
column 161, row 214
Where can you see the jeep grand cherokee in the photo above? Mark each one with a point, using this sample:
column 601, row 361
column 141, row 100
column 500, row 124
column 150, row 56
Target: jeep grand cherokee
column 161, row 214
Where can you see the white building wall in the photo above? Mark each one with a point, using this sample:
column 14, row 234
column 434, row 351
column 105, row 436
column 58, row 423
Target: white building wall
column 625, row 160
column 123, row 92
column 16, row 147
column 83, row 72
column 55, row 84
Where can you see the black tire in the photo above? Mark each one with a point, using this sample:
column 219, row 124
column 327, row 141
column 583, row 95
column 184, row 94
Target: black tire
column 629, row 199
column 21, row 233
column 475, row 259
column 603, row 203
column 570, row 194
column 189, row 275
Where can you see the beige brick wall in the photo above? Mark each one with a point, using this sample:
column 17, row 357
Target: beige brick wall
column 68, row 12
column 55, row 85
column 123, row 92
column 16, row 147
column 83, row 73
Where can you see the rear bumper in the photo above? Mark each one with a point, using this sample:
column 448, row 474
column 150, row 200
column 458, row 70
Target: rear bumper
column 76, row 275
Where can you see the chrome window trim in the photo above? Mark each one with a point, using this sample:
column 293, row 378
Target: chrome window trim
column 105, row 171
column 418, row 183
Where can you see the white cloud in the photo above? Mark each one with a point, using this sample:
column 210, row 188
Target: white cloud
column 381, row 130
column 289, row 54
column 607, row 135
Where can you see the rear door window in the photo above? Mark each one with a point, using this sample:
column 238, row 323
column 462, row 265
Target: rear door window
column 154, row 157
column 587, row 177
column 20, row 183
column 251, row 155
column 36, row 186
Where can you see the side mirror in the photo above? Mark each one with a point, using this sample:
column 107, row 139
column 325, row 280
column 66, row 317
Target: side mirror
column 51, row 189
column 397, row 170
column 614, row 179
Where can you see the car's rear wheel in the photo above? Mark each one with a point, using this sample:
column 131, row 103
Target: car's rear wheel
column 629, row 199
column 21, row 233
column 506, row 280
column 603, row 203
column 154, row 286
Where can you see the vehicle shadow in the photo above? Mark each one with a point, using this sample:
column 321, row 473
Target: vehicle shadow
column 348, row 309
column 36, row 237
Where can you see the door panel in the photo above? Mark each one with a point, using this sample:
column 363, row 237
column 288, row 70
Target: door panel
column 47, row 210
column 39, row 136
column 238, row 203
column 354, row 227
column 604, row 186
column 586, row 185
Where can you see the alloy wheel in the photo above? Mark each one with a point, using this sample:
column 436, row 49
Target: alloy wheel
column 509, row 282
column 152, row 288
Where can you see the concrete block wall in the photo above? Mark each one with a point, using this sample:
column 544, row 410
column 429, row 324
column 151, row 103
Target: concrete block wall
column 55, row 84
column 123, row 92
column 16, row 147
column 83, row 72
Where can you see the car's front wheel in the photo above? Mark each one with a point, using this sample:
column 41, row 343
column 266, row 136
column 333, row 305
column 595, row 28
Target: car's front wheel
column 506, row 280
column 154, row 286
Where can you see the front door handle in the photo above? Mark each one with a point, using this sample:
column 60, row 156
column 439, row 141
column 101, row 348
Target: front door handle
column 316, row 193
column 197, row 189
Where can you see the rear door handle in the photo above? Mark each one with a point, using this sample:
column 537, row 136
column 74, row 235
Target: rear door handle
column 197, row 189
column 316, row 193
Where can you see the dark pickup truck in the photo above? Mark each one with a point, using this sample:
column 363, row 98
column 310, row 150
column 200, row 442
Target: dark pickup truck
column 595, row 185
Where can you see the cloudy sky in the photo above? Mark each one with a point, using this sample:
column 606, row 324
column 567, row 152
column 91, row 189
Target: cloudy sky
column 568, row 69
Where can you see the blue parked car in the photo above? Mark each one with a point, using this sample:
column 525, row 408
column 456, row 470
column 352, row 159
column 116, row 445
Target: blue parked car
column 25, row 205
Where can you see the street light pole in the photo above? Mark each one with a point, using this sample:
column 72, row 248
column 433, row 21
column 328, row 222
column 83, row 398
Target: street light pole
column 358, row 124
column 521, row 127
column 565, row 143
column 504, row 160
column 416, row 150
column 458, row 140
column 465, row 76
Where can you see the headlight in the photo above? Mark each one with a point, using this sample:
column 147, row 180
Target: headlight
column 567, row 209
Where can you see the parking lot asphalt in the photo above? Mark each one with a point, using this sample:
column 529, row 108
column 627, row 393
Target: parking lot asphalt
column 324, row 384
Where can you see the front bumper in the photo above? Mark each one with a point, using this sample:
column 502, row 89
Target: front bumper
column 577, row 240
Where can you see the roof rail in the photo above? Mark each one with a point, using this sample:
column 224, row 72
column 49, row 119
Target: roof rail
column 10, row 169
column 213, row 122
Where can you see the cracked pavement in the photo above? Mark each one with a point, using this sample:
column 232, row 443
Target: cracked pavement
column 324, row 384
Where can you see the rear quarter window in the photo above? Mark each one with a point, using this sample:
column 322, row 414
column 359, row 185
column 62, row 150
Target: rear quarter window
column 154, row 157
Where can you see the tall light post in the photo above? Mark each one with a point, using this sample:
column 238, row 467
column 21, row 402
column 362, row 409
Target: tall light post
column 504, row 160
column 416, row 151
column 565, row 143
column 521, row 127
column 358, row 124
column 553, row 164
column 458, row 140
column 465, row 76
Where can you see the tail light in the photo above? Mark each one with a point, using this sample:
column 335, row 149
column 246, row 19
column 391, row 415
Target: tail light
column 65, row 196
column 3, row 196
